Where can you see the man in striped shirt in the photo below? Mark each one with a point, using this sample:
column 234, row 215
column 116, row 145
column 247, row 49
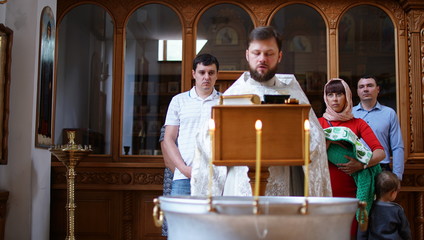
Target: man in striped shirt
column 187, row 112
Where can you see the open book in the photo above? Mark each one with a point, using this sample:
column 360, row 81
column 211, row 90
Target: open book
column 244, row 99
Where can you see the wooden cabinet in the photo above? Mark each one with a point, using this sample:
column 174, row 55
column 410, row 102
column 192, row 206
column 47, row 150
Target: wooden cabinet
column 114, row 190
column 104, row 214
column 112, row 202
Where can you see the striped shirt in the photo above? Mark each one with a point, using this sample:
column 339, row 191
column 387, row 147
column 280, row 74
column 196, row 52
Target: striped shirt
column 189, row 111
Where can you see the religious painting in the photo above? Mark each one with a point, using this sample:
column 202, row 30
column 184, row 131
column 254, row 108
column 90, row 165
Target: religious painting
column 43, row 135
column 6, row 35
column 347, row 33
column 227, row 36
column 315, row 81
column 300, row 43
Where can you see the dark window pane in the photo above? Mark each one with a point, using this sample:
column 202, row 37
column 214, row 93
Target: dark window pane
column 152, row 76
column 223, row 30
column 304, row 49
column 84, row 77
column 366, row 47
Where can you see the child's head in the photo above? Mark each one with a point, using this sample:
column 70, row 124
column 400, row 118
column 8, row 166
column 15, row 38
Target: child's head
column 387, row 186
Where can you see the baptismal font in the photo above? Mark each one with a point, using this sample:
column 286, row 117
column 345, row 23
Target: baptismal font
column 280, row 138
column 70, row 155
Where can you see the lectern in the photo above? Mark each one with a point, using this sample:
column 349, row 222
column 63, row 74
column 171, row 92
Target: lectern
column 283, row 137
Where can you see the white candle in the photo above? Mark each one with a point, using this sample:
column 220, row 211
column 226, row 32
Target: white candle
column 258, row 127
column 211, row 134
column 306, row 126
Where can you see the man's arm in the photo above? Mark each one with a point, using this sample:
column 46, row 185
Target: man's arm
column 397, row 147
column 171, row 150
column 167, row 160
column 377, row 156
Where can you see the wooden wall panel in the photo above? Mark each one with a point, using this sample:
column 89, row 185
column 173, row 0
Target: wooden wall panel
column 148, row 230
column 106, row 215
column 97, row 215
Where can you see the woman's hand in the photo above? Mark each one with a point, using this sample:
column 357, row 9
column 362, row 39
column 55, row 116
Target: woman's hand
column 350, row 167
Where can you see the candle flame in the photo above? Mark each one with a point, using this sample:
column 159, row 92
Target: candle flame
column 211, row 124
column 306, row 125
column 258, row 125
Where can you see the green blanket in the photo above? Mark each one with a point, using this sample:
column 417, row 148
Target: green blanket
column 365, row 179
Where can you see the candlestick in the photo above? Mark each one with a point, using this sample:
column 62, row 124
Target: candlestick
column 70, row 155
column 306, row 126
column 258, row 126
column 211, row 134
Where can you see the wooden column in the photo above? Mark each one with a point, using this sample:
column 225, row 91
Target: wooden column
column 263, row 181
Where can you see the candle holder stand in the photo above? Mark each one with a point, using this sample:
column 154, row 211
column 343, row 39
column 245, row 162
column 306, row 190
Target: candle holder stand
column 70, row 155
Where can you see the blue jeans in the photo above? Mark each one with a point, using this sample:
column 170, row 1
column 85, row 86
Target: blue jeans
column 180, row 187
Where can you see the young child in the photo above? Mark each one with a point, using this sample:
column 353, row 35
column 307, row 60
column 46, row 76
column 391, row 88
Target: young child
column 387, row 219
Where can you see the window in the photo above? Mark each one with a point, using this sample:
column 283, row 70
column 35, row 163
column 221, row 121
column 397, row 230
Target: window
column 172, row 50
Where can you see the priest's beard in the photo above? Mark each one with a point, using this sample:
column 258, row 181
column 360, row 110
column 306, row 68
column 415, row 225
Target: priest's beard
column 263, row 77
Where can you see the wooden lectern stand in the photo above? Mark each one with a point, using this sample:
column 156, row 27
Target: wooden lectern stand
column 283, row 135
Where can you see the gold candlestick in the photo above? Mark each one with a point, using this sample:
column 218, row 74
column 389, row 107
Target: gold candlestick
column 306, row 126
column 258, row 127
column 70, row 155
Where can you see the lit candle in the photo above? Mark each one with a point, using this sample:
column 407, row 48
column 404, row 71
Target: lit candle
column 211, row 134
column 306, row 126
column 258, row 126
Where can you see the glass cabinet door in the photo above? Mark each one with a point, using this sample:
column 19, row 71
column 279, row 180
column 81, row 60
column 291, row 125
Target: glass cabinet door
column 367, row 47
column 222, row 31
column 304, row 49
column 84, row 82
column 153, row 55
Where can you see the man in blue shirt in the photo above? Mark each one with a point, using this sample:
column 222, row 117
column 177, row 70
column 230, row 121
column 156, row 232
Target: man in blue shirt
column 383, row 121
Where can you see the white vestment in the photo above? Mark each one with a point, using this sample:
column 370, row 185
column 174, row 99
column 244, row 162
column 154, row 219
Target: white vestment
column 234, row 180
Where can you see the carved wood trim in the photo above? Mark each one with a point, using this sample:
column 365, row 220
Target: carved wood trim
column 419, row 220
column 333, row 12
column 111, row 178
column 127, row 215
column 416, row 66
column 415, row 20
column 397, row 13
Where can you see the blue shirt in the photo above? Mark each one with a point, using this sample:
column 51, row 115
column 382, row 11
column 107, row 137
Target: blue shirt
column 384, row 122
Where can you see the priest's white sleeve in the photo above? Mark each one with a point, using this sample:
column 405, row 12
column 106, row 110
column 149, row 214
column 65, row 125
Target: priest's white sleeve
column 199, row 182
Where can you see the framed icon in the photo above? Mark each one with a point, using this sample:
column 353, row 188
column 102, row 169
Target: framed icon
column 43, row 130
column 6, row 38
column 227, row 36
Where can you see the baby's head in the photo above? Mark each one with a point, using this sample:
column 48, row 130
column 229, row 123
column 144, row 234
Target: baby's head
column 387, row 186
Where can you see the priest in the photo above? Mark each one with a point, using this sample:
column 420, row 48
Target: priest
column 263, row 55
